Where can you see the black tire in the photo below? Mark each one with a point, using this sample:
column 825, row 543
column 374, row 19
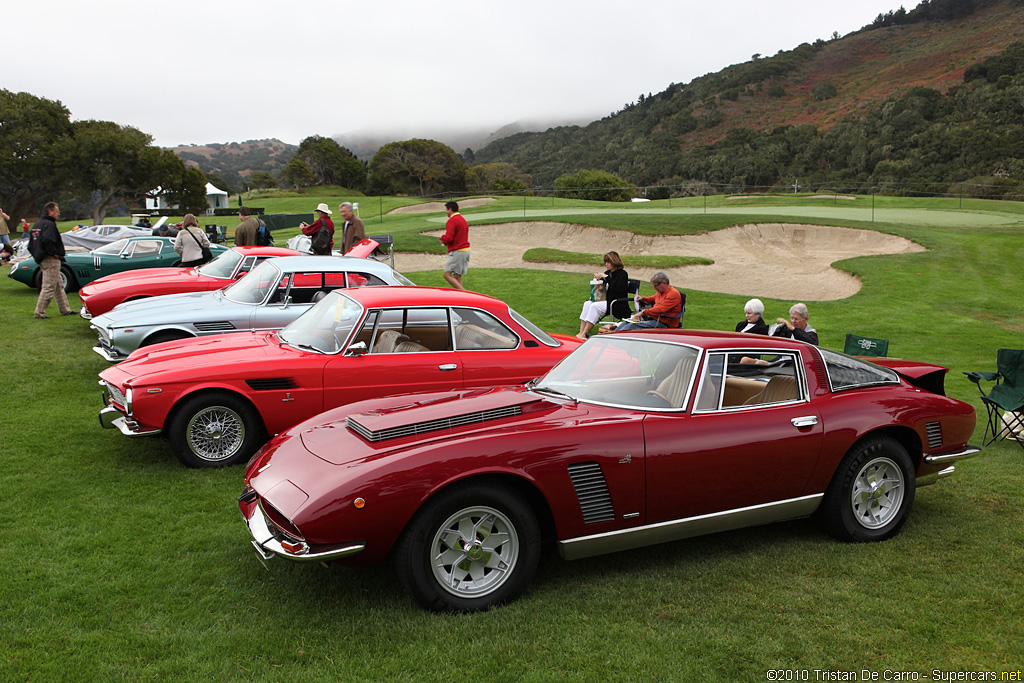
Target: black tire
column 167, row 335
column 503, row 568
column 872, row 492
column 215, row 430
column 67, row 279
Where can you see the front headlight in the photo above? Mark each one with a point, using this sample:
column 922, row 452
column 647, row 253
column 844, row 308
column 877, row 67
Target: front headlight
column 13, row 269
column 128, row 400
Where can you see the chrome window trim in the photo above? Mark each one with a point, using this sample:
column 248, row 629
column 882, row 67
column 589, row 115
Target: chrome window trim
column 801, row 381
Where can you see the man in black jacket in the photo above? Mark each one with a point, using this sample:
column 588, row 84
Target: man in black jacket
column 47, row 249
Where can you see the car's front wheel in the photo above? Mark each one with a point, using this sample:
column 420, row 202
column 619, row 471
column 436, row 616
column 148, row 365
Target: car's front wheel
column 469, row 549
column 67, row 279
column 872, row 492
column 214, row 430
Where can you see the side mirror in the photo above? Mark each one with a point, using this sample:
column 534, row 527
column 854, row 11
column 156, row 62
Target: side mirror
column 357, row 349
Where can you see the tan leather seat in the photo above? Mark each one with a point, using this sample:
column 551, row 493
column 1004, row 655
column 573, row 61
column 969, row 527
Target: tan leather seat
column 410, row 347
column 387, row 340
column 780, row 388
column 673, row 387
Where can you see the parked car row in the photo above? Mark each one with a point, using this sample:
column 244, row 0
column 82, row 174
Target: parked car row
column 443, row 429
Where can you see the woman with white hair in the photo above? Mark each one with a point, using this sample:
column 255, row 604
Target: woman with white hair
column 797, row 326
column 754, row 322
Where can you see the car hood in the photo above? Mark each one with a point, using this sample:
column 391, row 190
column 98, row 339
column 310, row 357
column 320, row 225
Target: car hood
column 143, row 278
column 407, row 421
column 171, row 308
column 230, row 355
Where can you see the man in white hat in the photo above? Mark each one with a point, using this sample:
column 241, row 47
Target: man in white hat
column 245, row 233
column 323, row 221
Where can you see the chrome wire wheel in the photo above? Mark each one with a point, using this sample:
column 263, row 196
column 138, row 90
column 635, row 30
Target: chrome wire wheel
column 876, row 496
column 474, row 552
column 215, row 433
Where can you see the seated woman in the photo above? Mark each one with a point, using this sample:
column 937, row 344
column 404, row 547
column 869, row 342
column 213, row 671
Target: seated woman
column 616, row 286
column 754, row 323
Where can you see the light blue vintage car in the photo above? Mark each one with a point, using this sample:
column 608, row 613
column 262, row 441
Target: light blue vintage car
column 272, row 295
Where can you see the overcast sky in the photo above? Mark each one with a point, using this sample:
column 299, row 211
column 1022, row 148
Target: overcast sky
column 191, row 71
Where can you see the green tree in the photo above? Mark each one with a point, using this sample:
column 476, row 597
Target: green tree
column 496, row 177
column 594, row 185
column 260, row 180
column 331, row 163
column 35, row 138
column 183, row 187
column 424, row 166
column 297, row 174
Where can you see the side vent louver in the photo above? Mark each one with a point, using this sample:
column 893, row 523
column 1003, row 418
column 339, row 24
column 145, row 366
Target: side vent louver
column 431, row 425
column 218, row 326
column 272, row 383
column 934, row 430
column 592, row 492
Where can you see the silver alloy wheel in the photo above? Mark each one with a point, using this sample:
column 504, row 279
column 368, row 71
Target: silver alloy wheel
column 877, row 493
column 474, row 552
column 215, row 433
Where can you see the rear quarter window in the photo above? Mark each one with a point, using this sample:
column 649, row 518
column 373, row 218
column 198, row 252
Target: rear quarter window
column 847, row 372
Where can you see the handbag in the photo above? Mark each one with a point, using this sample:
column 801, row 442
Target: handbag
column 207, row 254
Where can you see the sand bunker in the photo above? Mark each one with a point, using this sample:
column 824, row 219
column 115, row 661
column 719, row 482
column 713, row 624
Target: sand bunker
column 776, row 260
column 438, row 207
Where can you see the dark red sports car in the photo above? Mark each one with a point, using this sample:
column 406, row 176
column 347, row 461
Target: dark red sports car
column 103, row 294
column 635, row 438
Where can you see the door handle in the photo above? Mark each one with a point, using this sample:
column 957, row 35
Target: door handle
column 447, row 367
column 806, row 421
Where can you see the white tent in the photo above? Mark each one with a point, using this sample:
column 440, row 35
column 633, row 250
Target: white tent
column 216, row 198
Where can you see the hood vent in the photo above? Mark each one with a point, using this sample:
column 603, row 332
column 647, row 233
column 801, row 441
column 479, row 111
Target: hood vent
column 592, row 492
column 431, row 425
column 934, row 430
column 219, row 326
column 272, row 383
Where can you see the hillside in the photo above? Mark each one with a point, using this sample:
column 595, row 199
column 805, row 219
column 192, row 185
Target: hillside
column 233, row 161
column 821, row 85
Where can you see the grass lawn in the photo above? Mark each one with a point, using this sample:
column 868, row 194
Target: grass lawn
column 118, row 563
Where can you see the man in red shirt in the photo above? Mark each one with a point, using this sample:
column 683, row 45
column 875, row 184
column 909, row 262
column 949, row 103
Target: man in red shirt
column 667, row 311
column 456, row 238
column 323, row 220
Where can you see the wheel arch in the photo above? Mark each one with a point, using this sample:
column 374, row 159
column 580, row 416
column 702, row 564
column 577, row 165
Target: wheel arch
column 179, row 332
column 211, row 391
column 904, row 436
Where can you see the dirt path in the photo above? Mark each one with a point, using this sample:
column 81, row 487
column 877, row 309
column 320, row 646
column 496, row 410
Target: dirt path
column 776, row 260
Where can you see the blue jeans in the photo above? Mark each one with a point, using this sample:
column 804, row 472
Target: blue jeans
column 642, row 325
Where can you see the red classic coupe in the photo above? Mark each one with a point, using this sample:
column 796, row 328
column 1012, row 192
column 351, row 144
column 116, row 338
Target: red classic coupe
column 101, row 295
column 635, row 438
column 217, row 398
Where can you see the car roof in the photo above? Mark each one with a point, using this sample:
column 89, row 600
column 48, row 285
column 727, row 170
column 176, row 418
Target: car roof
column 330, row 264
column 372, row 297
column 716, row 339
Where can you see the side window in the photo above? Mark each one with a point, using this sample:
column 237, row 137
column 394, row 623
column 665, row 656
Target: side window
column 410, row 330
column 742, row 380
column 145, row 248
column 475, row 330
column 364, row 280
column 247, row 264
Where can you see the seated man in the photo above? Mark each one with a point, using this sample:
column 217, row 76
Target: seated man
column 666, row 311
column 797, row 327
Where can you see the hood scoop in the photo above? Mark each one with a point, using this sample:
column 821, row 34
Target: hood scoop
column 432, row 416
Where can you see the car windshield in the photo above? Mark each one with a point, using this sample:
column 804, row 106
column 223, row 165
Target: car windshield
column 112, row 248
column 254, row 287
column 622, row 371
column 223, row 265
column 326, row 326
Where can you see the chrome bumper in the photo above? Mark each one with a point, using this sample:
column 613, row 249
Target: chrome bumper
column 108, row 354
column 112, row 418
column 929, row 479
column 85, row 313
column 267, row 542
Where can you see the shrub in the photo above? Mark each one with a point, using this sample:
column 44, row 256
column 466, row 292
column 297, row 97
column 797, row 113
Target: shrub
column 823, row 91
column 594, row 185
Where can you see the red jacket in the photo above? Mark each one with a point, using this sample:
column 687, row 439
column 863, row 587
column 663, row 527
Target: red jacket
column 456, row 233
column 314, row 227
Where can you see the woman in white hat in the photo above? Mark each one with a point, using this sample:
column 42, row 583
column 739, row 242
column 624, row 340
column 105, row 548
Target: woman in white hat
column 324, row 243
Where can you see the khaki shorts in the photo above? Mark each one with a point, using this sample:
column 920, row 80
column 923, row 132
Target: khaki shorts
column 458, row 262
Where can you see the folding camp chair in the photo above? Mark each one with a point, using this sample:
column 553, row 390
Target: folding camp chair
column 857, row 345
column 626, row 304
column 1006, row 394
column 385, row 250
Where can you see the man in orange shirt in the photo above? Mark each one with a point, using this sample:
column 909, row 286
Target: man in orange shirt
column 667, row 311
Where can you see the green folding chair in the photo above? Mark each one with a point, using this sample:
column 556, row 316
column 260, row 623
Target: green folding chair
column 857, row 345
column 1005, row 394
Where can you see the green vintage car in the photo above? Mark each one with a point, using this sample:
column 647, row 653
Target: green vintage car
column 82, row 267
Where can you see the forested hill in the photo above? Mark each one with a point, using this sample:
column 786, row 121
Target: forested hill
column 887, row 102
